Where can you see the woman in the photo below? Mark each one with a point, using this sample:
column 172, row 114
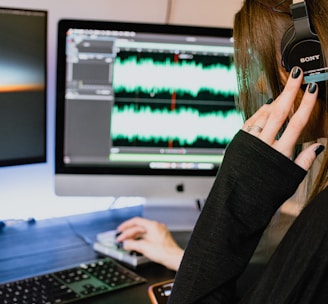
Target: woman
column 262, row 168
column 260, row 171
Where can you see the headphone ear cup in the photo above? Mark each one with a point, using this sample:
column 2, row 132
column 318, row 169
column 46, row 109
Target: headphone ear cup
column 286, row 45
column 304, row 52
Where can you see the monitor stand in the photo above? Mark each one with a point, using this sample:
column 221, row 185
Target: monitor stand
column 176, row 215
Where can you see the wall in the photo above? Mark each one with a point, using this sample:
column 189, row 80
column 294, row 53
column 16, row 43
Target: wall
column 205, row 12
column 27, row 191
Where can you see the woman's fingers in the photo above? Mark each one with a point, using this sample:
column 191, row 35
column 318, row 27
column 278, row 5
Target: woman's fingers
column 269, row 119
column 281, row 107
column 267, row 122
column 298, row 121
column 132, row 228
column 130, row 233
column 306, row 158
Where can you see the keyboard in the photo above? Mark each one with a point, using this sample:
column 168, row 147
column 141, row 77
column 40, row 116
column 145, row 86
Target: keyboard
column 70, row 285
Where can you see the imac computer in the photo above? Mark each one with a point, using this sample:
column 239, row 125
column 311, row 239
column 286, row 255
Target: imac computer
column 143, row 110
column 23, row 39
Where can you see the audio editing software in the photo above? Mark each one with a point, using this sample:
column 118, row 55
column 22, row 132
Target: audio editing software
column 169, row 99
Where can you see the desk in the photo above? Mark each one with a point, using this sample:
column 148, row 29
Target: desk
column 51, row 244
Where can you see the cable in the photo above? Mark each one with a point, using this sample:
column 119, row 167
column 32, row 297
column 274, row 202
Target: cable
column 168, row 11
column 12, row 222
column 84, row 238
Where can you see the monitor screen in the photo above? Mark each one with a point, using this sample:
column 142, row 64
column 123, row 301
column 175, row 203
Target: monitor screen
column 142, row 109
column 23, row 40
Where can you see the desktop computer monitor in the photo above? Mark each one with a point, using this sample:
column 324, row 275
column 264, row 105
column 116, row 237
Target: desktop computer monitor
column 23, row 40
column 142, row 109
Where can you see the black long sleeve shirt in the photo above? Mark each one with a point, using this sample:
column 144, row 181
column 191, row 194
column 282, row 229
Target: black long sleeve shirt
column 253, row 182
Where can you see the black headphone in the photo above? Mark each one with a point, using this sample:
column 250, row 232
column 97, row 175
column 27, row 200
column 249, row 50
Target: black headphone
column 300, row 46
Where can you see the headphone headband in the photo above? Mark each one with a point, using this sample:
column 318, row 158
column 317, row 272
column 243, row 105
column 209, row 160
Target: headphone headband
column 301, row 21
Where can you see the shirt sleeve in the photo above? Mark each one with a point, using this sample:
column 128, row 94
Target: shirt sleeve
column 252, row 183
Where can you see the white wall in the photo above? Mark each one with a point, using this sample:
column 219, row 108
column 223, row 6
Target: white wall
column 27, row 191
column 204, row 12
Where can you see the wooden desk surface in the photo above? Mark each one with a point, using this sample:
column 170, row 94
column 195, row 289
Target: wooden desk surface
column 49, row 245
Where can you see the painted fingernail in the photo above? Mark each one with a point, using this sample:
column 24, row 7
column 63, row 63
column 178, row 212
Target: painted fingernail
column 319, row 149
column 296, row 72
column 269, row 101
column 312, row 87
column 119, row 245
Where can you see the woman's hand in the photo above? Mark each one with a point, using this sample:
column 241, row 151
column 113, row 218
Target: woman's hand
column 268, row 120
column 152, row 239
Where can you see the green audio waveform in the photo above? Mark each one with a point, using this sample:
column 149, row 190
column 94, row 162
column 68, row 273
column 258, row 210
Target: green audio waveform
column 148, row 76
column 184, row 125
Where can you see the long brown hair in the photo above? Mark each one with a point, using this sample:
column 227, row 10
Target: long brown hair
column 258, row 29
